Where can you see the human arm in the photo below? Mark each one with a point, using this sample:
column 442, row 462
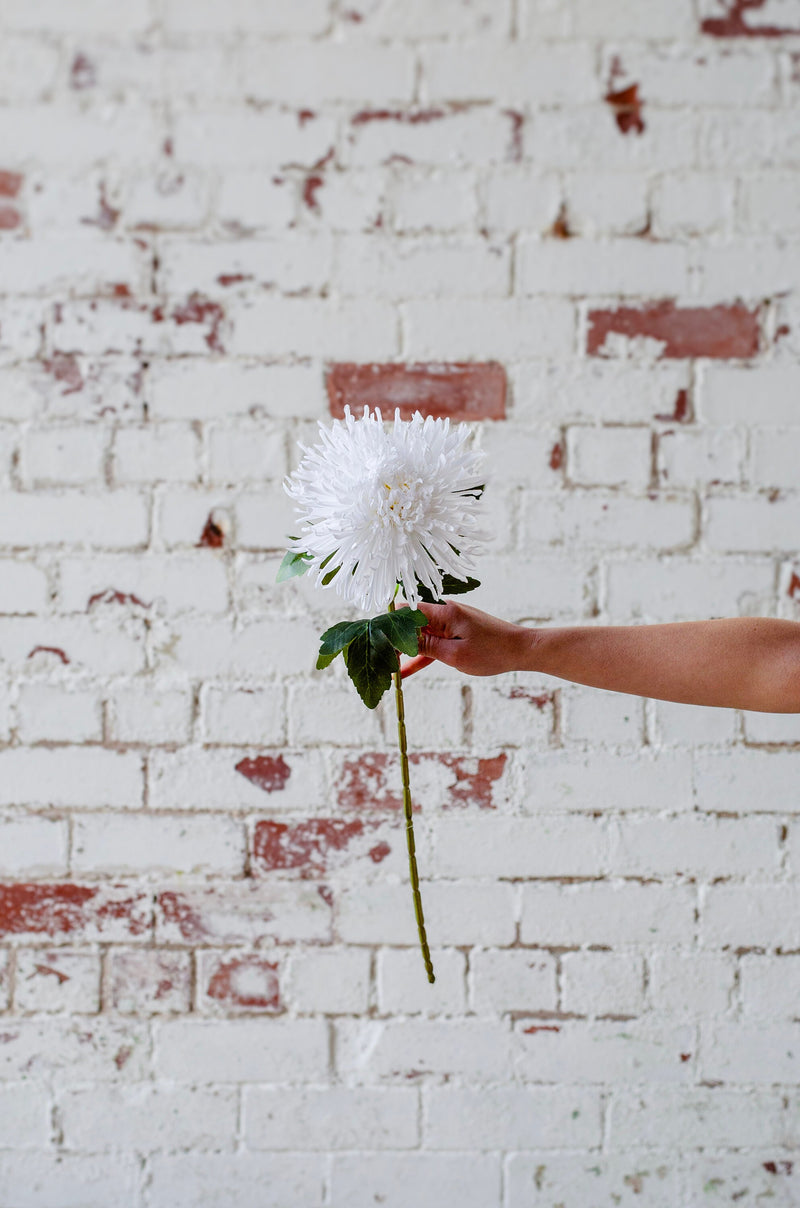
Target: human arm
column 735, row 663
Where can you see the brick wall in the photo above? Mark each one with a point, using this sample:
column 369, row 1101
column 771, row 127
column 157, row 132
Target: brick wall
column 577, row 222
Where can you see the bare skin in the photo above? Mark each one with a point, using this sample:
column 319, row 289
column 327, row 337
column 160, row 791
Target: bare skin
column 733, row 663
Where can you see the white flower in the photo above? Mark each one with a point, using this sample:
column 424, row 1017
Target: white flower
column 388, row 506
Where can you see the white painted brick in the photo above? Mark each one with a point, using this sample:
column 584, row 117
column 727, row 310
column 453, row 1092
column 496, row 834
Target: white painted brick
column 331, row 980
column 774, row 453
column 359, row 1181
column 265, row 519
column 610, row 203
column 139, row 843
column 19, row 398
column 333, row 715
column 593, row 1178
column 75, row 16
column 25, row 1115
column 89, row 777
column 85, row 265
column 433, row 713
column 602, row 983
column 33, row 645
column 28, row 69
column 180, row 1181
column 251, row 200
column 588, row 518
column 476, row 135
column 290, row 264
column 64, row 455
column 310, row 73
column 58, row 981
column 734, row 916
column 156, row 452
column 748, row 269
column 449, row 18
column 241, row 1050
column 432, row 200
column 350, row 200
column 108, row 519
column 769, row 986
column 603, row 1051
column 407, row 268
column 519, row 197
column 693, row 725
column 687, row 459
column 677, row 75
column 50, row 713
column 168, row 198
column 233, row 913
column 307, row 17
column 609, row 456
column 40, row 1178
column 192, row 1117
column 236, row 137
column 194, row 779
column 146, row 981
column 373, row 1051
column 741, row 1174
column 697, row 984
column 743, row 1052
column 245, row 451
column 515, row 980
column 608, row 718
column 767, row 394
column 456, row 913
column 600, row 913
column 149, row 712
column 330, row 1118
column 194, row 582
column 518, row 73
column 20, row 337
column 522, row 712
column 496, row 328
column 769, row 202
column 256, row 650
column 745, row 139
column 676, row 589
column 606, row 781
column 586, row 138
column 596, row 392
column 181, row 515
column 404, row 989
column 580, row 266
column 197, row 390
column 559, row 846
column 694, row 846
column 32, row 847
column 687, row 204
column 517, row 1117
column 675, row 1117
column 307, row 327
column 242, row 716
column 6, row 712
column 771, row 727
column 49, row 1050
column 744, row 781
column 624, row 18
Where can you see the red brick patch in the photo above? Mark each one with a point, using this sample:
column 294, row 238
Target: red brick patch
column 267, row 772
column 459, row 390
column 735, row 24
column 302, row 845
column 687, row 331
column 10, row 183
column 60, row 909
column 371, row 783
column 249, row 982
column 626, row 105
column 9, row 218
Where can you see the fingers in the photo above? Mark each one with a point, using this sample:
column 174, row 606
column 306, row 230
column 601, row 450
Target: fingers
column 415, row 664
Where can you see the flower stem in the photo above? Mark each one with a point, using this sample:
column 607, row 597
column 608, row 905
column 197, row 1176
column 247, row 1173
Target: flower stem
column 412, row 855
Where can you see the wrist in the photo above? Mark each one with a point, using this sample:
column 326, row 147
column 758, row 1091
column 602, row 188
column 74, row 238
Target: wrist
column 528, row 648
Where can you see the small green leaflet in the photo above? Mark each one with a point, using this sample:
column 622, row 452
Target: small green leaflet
column 370, row 649
column 450, row 587
column 293, row 564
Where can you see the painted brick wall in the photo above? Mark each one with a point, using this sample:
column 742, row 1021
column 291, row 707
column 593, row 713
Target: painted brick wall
column 578, row 223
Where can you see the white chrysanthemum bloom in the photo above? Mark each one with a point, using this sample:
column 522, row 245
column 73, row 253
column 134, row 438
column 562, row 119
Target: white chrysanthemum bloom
column 388, row 506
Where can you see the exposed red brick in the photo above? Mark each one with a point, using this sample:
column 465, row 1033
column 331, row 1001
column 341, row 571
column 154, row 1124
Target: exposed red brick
column 212, row 535
column 680, row 415
column 517, row 124
column 176, row 909
column 379, row 852
column 312, row 183
column 267, row 772
column 411, row 117
column 112, row 596
column 119, row 289
column 688, row 331
column 10, row 218
column 371, row 783
column 305, row 115
column 685, row 1057
column 234, row 278
column 59, row 909
column 540, row 700
column 794, row 585
column 734, row 25
column 460, row 390
column 49, row 650
column 560, row 228
column 82, row 73
column 199, row 309
column 304, row 845
column 626, row 105
column 10, row 183
column 246, row 981
column 352, row 15
column 557, row 456
column 107, row 215
column 542, row 1027
column 65, row 368
column 785, row 1167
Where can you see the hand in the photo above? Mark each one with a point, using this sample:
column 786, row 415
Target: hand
column 470, row 640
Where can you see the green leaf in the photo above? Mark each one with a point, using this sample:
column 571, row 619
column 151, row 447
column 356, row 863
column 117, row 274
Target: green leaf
column 371, row 660
column 401, row 628
column 293, row 564
column 336, row 639
column 326, row 579
column 450, row 587
column 475, row 492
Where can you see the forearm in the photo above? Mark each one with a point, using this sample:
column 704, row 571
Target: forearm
column 735, row 663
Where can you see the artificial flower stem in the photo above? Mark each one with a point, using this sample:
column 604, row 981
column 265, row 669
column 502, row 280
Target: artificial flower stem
column 412, row 854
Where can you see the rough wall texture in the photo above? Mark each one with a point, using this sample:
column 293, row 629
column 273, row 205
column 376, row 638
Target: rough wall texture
column 579, row 222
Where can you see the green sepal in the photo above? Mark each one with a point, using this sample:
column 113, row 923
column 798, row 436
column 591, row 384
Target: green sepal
column 335, row 639
column 294, row 563
column 371, row 660
column 401, row 627
column 450, row 587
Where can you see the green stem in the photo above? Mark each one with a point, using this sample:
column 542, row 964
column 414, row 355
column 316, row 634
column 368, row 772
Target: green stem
column 412, row 855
